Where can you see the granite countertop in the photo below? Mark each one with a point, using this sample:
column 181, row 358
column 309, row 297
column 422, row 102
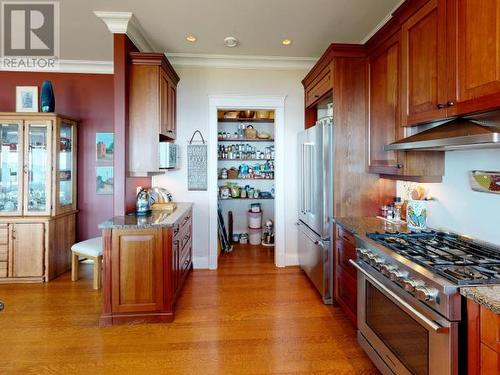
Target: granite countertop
column 157, row 219
column 488, row 296
column 363, row 225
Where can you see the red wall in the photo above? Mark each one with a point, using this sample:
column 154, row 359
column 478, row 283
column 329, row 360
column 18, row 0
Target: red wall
column 89, row 98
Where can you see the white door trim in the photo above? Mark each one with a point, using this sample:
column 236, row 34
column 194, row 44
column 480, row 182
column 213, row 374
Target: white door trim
column 277, row 103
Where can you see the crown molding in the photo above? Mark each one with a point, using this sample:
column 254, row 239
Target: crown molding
column 381, row 23
column 126, row 23
column 241, row 62
column 68, row 66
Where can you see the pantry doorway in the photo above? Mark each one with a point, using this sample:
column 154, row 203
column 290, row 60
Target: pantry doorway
column 255, row 165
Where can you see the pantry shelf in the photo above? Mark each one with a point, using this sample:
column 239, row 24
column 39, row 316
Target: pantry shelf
column 246, row 199
column 246, row 159
column 246, row 179
column 247, row 140
column 255, row 120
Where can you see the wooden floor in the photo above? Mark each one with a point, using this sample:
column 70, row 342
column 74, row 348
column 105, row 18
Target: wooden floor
column 246, row 318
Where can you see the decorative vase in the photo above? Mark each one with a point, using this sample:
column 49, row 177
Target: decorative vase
column 48, row 101
column 416, row 216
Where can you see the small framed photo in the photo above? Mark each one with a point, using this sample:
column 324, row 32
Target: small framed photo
column 105, row 146
column 26, row 99
column 104, row 180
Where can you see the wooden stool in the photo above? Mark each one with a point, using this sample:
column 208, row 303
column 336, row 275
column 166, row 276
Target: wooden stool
column 90, row 249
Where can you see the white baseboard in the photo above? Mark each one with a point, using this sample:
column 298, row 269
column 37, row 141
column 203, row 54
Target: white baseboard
column 200, row 263
column 292, row 259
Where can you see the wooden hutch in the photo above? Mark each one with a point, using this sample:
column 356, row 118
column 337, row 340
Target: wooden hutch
column 37, row 195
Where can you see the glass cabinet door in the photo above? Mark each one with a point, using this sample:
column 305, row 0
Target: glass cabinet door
column 37, row 168
column 11, row 155
column 65, row 174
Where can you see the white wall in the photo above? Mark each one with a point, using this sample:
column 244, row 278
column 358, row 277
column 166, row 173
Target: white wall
column 457, row 207
column 195, row 86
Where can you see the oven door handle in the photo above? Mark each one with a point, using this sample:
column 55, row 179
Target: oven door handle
column 428, row 322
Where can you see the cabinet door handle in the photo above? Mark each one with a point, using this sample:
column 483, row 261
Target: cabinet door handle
column 450, row 103
column 441, row 106
column 13, row 234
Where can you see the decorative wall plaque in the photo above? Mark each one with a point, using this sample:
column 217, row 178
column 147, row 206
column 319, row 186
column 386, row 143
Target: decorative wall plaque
column 197, row 164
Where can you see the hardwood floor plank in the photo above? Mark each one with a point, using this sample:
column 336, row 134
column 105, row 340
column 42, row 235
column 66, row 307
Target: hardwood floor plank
column 248, row 317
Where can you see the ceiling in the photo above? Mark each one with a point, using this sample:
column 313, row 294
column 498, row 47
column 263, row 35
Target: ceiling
column 260, row 25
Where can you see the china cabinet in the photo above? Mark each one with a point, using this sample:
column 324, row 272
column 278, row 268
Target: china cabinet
column 37, row 195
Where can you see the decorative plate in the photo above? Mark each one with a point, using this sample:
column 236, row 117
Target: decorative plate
column 487, row 182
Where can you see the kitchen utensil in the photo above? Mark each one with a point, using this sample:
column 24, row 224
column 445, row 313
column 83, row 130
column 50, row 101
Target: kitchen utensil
column 250, row 132
column 143, row 201
column 263, row 114
column 231, row 114
column 264, row 135
column 247, row 114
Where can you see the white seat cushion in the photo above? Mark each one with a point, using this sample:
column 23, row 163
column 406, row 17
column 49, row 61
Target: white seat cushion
column 91, row 247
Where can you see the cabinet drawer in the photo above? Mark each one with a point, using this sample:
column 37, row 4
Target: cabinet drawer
column 490, row 328
column 3, row 269
column 347, row 293
column 185, row 262
column 185, row 221
column 3, row 252
column 345, row 235
column 4, row 234
column 345, row 251
column 319, row 87
column 490, row 360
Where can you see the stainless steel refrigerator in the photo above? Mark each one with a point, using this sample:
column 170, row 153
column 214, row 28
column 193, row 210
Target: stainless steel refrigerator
column 315, row 224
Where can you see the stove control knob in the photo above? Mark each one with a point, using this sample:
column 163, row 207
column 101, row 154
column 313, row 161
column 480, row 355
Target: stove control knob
column 410, row 285
column 387, row 268
column 425, row 294
column 376, row 261
column 362, row 253
column 397, row 275
column 367, row 256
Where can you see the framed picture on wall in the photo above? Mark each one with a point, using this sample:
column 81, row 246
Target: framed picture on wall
column 105, row 146
column 26, row 99
column 104, row 180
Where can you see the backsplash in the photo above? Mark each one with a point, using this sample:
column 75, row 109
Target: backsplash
column 456, row 207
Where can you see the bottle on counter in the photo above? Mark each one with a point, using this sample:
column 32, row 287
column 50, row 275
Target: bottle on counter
column 397, row 209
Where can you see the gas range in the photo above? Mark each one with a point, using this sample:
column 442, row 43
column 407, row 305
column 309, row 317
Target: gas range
column 454, row 257
column 430, row 266
column 409, row 297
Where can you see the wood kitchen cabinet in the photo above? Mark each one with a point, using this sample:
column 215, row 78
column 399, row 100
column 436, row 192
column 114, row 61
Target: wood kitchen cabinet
column 38, row 195
column 424, row 65
column 483, row 340
column 152, row 110
column 384, row 121
column 474, row 43
column 450, row 60
column 345, row 285
column 27, row 250
column 145, row 270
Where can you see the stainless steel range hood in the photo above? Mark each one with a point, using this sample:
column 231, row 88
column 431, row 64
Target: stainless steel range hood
column 457, row 134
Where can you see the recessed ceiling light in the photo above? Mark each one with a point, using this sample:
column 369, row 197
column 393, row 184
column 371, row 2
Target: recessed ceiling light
column 191, row 38
column 231, row 42
column 286, row 42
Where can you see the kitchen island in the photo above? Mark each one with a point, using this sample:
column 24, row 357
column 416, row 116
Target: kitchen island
column 145, row 262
